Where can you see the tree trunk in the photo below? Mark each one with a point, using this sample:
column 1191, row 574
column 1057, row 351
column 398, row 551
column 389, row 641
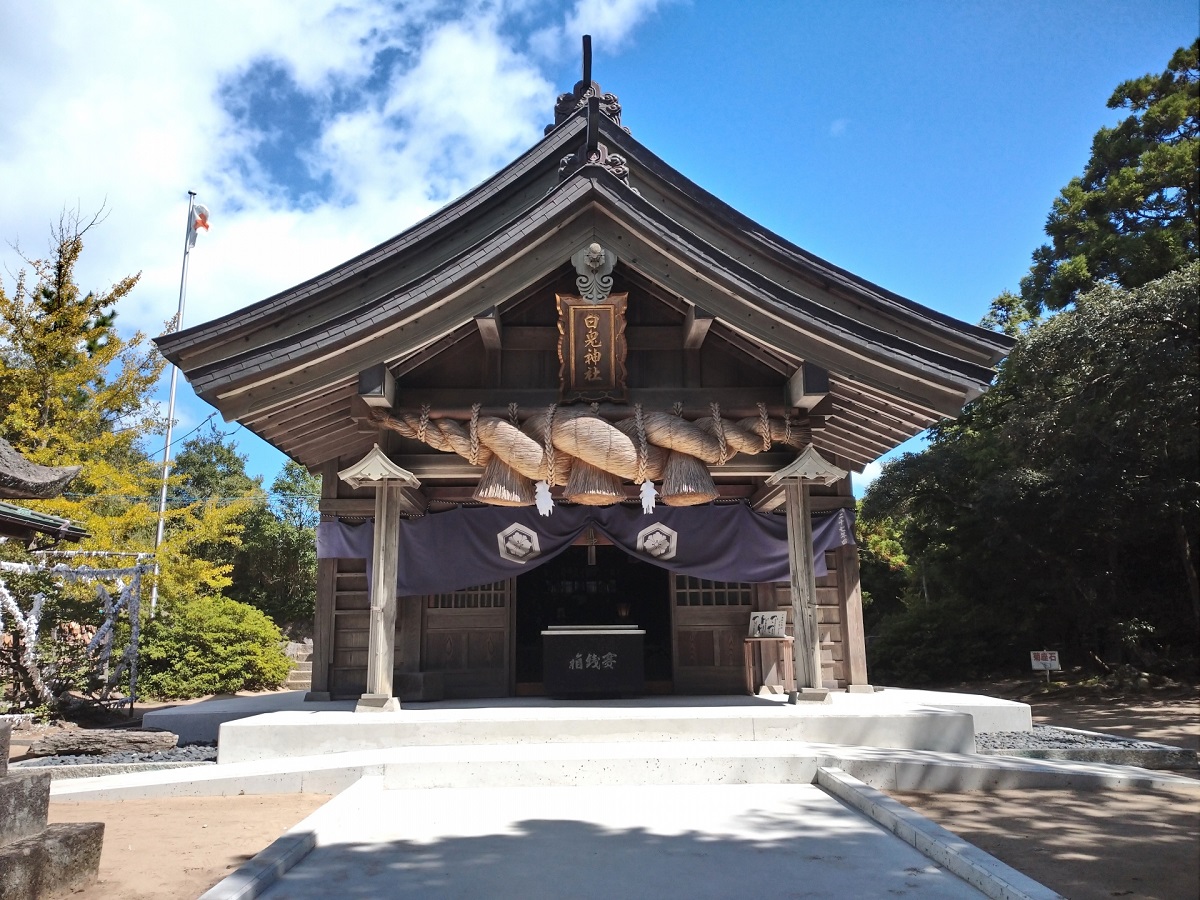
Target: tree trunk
column 1189, row 565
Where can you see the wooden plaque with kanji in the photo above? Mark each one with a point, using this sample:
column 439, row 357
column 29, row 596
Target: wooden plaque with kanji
column 591, row 348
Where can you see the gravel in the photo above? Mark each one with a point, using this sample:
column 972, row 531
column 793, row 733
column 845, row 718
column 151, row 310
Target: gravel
column 193, row 753
column 1047, row 737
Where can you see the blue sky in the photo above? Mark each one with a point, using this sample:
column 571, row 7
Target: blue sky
column 918, row 144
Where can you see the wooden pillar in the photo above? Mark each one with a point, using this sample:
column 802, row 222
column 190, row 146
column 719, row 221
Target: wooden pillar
column 854, row 640
column 381, row 641
column 795, row 477
column 322, row 654
column 804, row 585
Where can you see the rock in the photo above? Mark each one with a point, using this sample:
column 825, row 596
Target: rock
column 87, row 742
column 61, row 858
column 24, row 801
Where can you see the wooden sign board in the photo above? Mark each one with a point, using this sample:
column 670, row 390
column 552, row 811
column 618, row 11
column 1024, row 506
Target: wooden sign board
column 768, row 624
column 591, row 348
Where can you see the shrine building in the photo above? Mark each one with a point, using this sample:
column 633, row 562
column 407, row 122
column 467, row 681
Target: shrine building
column 580, row 428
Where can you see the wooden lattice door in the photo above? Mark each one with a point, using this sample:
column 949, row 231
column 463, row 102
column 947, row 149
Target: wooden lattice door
column 711, row 620
column 466, row 637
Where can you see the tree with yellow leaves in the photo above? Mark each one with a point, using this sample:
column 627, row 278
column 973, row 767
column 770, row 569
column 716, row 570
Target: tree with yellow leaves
column 74, row 391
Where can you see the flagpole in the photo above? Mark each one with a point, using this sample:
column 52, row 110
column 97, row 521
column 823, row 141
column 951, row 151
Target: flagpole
column 166, row 463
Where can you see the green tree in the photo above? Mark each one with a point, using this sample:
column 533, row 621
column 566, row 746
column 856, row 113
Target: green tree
column 73, row 390
column 276, row 565
column 1134, row 213
column 1061, row 507
column 273, row 560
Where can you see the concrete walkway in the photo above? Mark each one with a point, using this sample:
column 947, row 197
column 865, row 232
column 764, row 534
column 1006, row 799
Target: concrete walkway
column 695, row 841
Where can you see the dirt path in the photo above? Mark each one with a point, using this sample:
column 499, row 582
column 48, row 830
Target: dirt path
column 1083, row 844
column 180, row 846
column 1168, row 721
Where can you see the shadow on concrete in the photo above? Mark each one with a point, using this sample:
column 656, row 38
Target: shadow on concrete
column 672, row 701
column 804, row 854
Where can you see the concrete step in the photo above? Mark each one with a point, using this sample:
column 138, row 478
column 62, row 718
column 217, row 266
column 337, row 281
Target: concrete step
column 296, row 733
column 600, row 765
column 302, row 666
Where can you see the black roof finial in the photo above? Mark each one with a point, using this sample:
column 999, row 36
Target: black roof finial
column 569, row 103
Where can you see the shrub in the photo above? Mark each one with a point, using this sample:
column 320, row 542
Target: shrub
column 210, row 646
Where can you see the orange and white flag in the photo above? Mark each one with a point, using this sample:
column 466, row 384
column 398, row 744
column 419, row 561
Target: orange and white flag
column 199, row 220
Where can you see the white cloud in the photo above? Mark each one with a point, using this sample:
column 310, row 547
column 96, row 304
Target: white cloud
column 609, row 23
column 138, row 124
column 861, row 482
column 399, row 106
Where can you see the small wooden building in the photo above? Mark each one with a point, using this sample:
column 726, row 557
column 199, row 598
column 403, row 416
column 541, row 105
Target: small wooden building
column 590, row 326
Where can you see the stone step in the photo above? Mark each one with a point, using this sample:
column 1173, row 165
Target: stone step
column 599, row 765
column 302, row 666
column 304, row 733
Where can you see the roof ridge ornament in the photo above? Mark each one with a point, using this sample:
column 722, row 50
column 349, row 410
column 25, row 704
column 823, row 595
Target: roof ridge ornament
column 584, row 90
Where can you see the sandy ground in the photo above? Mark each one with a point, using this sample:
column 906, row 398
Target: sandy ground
column 1083, row 844
column 180, row 847
column 1173, row 721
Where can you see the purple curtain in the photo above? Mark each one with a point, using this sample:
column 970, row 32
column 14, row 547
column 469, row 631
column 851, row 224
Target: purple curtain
column 466, row 546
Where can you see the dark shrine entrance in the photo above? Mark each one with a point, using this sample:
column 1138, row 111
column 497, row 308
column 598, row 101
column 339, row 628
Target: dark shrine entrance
column 617, row 590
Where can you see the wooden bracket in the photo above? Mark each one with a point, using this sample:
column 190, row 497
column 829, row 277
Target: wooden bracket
column 695, row 327
column 808, row 386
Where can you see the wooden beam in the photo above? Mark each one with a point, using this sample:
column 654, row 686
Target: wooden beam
column 488, row 324
column 377, row 386
column 545, row 337
column 902, row 408
column 808, row 386
column 769, row 497
column 769, row 358
column 303, row 408
column 456, row 402
column 334, row 448
column 695, row 327
column 345, row 433
column 852, row 411
column 418, row 358
column 314, row 422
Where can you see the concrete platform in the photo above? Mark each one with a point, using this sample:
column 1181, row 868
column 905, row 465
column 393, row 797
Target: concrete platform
column 890, row 717
column 656, row 841
column 851, row 719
